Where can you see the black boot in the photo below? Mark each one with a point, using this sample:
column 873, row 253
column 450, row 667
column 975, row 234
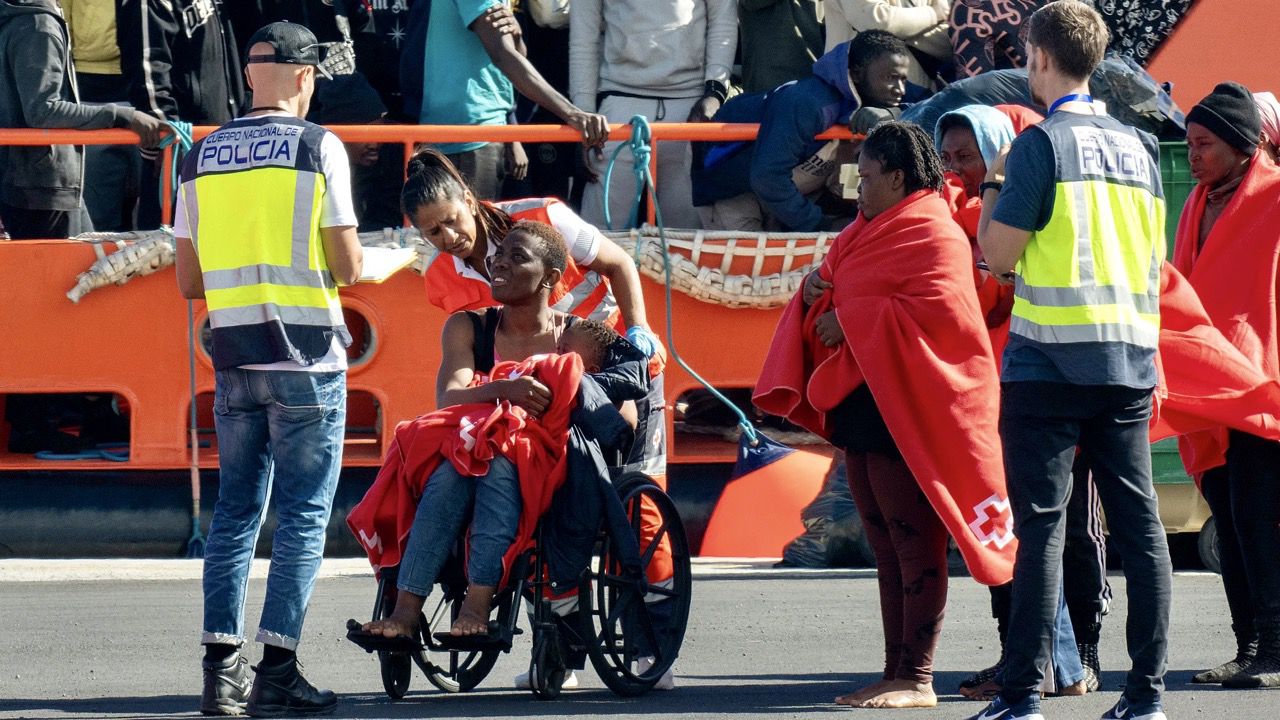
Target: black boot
column 281, row 690
column 1246, row 651
column 1264, row 671
column 226, row 686
column 1092, row 666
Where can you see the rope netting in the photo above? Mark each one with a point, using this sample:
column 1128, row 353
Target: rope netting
column 759, row 270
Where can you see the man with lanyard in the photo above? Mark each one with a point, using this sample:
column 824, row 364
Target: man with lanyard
column 265, row 231
column 1080, row 217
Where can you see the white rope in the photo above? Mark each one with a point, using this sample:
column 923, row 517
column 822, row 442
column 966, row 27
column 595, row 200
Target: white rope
column 138, row 253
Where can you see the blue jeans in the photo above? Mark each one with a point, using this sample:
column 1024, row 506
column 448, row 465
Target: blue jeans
column 280, row 428
column 490, row 502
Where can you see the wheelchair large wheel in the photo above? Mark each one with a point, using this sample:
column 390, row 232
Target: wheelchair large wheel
column 627, row 619
column 453, row 671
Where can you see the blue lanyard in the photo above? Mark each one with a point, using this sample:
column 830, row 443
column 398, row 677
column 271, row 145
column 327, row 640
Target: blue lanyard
column 1073, row 97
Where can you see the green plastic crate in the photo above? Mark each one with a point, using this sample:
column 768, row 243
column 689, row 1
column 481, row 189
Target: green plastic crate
column 1175, row 172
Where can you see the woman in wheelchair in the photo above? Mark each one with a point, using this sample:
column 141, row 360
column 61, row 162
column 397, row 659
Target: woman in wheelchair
column 524, row 268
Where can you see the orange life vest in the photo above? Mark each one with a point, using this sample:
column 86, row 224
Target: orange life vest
column 453, row 287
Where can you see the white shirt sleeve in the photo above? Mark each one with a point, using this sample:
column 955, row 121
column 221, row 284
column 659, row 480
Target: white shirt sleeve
column 181, row 220
column 337, row 209
column 582, row 237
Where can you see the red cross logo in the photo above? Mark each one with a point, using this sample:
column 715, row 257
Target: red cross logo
column 993, row 524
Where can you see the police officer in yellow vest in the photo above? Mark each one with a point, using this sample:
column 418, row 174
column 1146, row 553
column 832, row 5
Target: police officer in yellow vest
column 1077, row 224
column 265, row 231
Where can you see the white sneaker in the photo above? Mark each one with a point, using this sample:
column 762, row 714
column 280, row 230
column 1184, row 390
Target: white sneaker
column 668, row 679
column 570, row 681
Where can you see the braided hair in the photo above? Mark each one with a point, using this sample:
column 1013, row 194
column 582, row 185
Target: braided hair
column 905, row 146
column 432, row 177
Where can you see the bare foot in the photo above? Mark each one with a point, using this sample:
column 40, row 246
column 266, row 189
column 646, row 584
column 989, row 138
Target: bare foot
column 403, row 621
column 902, row 694
column 855, row 698
column 473, row 617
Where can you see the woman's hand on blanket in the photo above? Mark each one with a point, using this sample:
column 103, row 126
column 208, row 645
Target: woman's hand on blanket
column 814, row 286
column 829, row 330
column 526, row 392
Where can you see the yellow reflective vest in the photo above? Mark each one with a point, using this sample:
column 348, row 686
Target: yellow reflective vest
column 253, row 191
column 1091, row 275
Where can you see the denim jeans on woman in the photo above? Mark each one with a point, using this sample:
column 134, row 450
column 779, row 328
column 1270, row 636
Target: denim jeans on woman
column 491, row 503
column 279, row 433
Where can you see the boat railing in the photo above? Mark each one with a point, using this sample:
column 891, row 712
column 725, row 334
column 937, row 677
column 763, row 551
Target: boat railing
column 412, row 135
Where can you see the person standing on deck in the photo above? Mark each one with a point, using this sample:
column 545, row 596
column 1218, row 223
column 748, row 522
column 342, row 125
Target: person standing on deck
column 668, row 60
column 1078, row 227
column 265, row 232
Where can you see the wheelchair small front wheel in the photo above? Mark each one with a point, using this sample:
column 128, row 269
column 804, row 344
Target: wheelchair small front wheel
column 547, row 670
column 452, row 671
column 397, row 673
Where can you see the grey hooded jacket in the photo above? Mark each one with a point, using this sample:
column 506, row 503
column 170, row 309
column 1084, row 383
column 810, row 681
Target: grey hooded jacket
column 37, row 90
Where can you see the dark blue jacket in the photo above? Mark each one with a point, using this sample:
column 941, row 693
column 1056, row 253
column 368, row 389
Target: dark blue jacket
column 789, row 117
column 587, row 496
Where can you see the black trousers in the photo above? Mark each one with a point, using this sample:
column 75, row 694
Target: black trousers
column 1041, row 424
column 1084, row 556
column 1244, row 495
column 28, row 224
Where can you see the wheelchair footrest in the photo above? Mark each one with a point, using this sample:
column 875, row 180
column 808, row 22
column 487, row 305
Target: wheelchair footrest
column 498, row 638
column 380, row 643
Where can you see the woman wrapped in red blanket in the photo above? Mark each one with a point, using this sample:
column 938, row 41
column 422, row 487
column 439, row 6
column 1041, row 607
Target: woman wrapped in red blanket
column 1228, row 247
column 893, row 365
column 493, row 458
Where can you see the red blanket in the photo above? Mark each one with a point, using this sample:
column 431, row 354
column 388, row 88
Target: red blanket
column 914, row 333
column 469, row 436
column 994, row 299
column 1236, row 277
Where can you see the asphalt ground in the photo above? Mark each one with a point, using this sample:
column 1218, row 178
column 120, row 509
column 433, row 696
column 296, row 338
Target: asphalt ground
column 119, row 639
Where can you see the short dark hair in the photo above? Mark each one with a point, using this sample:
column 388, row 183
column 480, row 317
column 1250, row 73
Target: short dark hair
column 905, row 146
column 1072, row 33
column 870, row 45
column 551, row 248
column 600, row 335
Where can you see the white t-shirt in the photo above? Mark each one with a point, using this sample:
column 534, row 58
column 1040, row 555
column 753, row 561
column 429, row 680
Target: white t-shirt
column 336, row 210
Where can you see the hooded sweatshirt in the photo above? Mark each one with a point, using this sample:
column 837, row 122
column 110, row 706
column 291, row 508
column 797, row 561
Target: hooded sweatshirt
column 789, row 118
column 181, row 60
column 649, row 48
column 37, row 90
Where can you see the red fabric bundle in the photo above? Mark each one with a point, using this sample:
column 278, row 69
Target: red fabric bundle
column 914, row 333
column 1235, row 275
column 469, row 436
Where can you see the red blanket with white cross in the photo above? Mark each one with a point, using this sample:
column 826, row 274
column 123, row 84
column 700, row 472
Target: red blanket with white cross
column 470, row 436
column 914, row 333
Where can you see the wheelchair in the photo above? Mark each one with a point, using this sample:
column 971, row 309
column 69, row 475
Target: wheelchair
column 632, row 601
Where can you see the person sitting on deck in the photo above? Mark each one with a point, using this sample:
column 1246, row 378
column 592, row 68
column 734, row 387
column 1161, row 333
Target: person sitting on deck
column 780, row 181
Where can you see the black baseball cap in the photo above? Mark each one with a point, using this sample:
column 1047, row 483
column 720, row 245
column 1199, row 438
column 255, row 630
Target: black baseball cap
column 294, row 44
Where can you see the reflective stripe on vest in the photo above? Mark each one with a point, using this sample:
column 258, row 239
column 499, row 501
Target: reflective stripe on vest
column 258, row 189
column 1093, row 273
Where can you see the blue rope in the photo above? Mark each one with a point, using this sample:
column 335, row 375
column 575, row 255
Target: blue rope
column 641, row 136
column 181, row 138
